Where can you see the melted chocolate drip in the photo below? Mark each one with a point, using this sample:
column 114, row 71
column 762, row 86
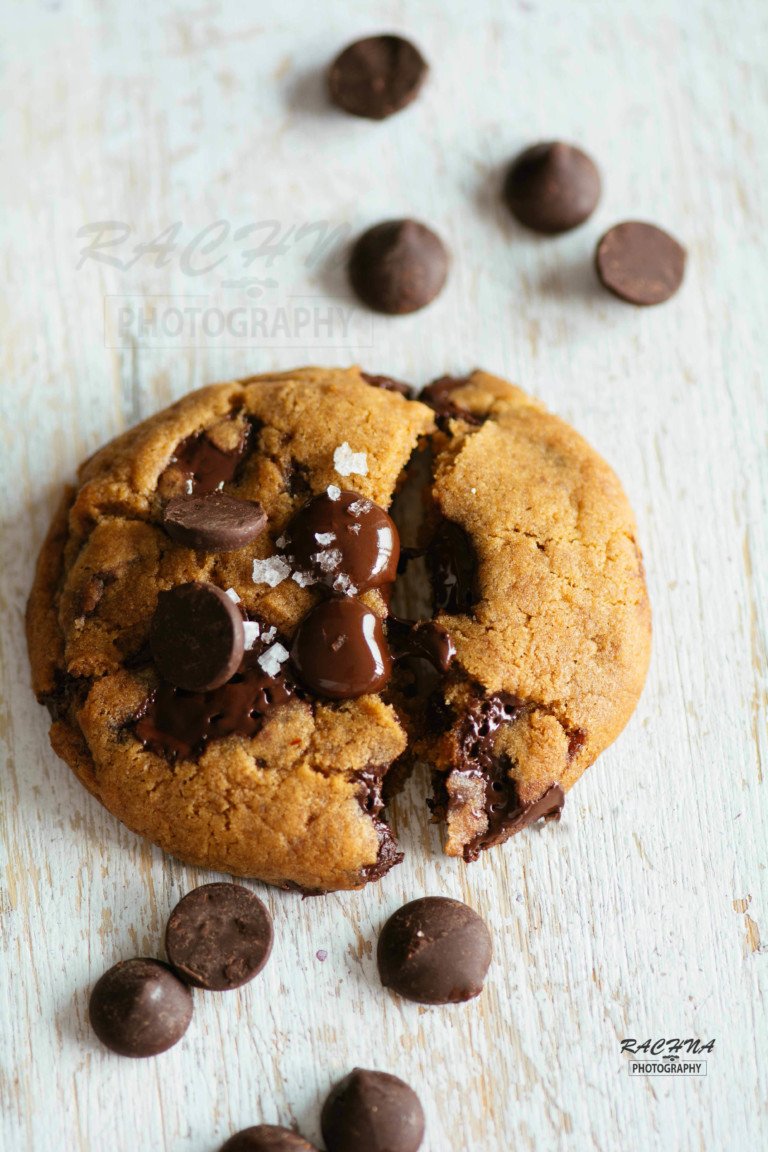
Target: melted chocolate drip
column 438, row 396
column 206, row 468
column 349, row 544
column 504, row 812
column 425, row 639
column 453, row 568
column 371, row 802
column 176, row 723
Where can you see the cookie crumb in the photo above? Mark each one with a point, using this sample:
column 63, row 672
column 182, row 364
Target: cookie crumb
column 271, row 660
column 271, row 571
column 348, row 463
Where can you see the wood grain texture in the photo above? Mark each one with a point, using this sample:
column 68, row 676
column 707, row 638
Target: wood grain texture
column 642, row 913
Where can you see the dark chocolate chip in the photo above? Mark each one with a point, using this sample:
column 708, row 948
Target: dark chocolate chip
column 203, row 466
column 267, row 1138
column 398, row 266
column 219, row 936
column 377, row 76
column 439, row 396
column 640, row 263
column 552, row 187
column 213, row 523
column 174, row 723
column 434, row 951
column 372, row 1112
column 196, row 637
column 339, row 650
column 389, row 385
column 140, row 1008
column 349, row 543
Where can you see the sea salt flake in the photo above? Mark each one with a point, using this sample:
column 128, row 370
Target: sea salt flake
column 344, row 585
column 348, row 463
column 325, row 537
column 281, row 542
column 251, row 629
column 354, row 528
column 303, row 579
column 271, row 660
column 232, row 595
column 327, row 561
column 333, row 492
column 269, row 634
column 359, row 507
column 271, row 571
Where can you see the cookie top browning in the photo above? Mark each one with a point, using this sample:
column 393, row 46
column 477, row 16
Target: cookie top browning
column 559, row 634
column 297, row 803
column 538, row 584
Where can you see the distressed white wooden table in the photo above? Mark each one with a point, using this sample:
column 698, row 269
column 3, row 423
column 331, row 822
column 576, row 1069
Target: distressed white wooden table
column 641, row 914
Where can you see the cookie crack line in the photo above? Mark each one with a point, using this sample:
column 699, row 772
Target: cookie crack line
column 264, row 801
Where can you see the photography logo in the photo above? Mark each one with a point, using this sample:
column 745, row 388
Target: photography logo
column 667, row 1057
column 234, row 287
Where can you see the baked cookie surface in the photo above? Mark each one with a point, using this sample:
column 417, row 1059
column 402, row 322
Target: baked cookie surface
column 537, row 583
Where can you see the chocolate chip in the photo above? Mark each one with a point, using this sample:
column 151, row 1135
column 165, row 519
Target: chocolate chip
column 552, row 187
column 140, row 1008
column 196, row 636
column 398, row 266
column 203, row 467
column 377, row 76
column 219, row 936
column 213, row 523
column 389, row 385
column 640, row 263
column 349, row 543
column 434, row 951
column 372, row 1112
column 267, row 1138
column 339, row 650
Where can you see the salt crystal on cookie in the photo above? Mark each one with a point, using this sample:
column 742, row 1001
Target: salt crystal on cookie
column 271, row 571
column 349, row 463
column 271, row 660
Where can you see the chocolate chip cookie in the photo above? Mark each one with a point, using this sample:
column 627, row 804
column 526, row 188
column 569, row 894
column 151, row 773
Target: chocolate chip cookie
column 212, row 622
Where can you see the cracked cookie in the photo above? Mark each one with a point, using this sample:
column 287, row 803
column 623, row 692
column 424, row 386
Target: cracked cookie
column 211, row 622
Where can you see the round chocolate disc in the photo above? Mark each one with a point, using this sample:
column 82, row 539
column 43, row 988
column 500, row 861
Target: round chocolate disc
column 552, row 187
column 219, row 936
column 196, row 637
column 398, row 266
column 372, row 1112
column 434, row 951
column 339, row 650
column 377, row 76
column 140, row 1008
column 213, row 523
column 267, row 1138
column 350, row 544
column 640, row 263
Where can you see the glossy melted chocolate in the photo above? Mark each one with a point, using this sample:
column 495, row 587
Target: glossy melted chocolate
column 175, row 723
